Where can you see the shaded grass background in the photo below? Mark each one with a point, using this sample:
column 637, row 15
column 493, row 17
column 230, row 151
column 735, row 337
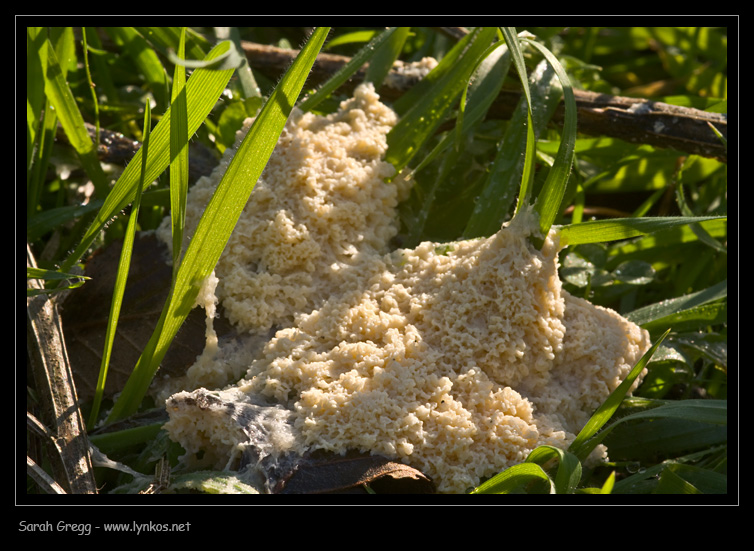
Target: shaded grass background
column 686, row 66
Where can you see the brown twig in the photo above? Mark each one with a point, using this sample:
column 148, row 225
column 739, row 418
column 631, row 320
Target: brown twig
column 631, row 119
column 53, row 381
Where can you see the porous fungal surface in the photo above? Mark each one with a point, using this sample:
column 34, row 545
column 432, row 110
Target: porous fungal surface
column 458, row 359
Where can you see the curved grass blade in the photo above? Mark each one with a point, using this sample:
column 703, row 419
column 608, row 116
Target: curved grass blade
column 203, row 89
column 120, row 278
column 218, row 221
column 486, row 81
column 588, row 438
column 515, row 479
column 568, row 475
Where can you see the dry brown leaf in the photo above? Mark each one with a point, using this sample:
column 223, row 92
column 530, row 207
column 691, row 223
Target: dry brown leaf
column 326, row 473
column 85, row 312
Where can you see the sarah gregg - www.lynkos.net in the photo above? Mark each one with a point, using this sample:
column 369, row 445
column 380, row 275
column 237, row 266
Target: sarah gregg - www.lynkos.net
column 86, row 528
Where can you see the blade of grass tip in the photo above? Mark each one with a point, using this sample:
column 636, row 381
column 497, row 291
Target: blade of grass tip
column 120, row 278
column 179, row 165
column 203, row 89
column 218, row 221
column 550, row 198
column 345, row 72
column 588, row 438
column 524, row 196
column 75, row 280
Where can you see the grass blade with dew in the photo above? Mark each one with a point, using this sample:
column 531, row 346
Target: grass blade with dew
column 588, row 438
column 203, row 89
column 550, row 198
column 599, row 231
column 75, row 280
column 179, row 165
column 439, row 95
column 476, row 98
column 503, row 181
column 385, row 56
column 486, row 81
column 667, row 308
column 527, row 177
column 345, row 72
column 218, row 221
column 568, row 474
column 62, row 100
column 120, row 277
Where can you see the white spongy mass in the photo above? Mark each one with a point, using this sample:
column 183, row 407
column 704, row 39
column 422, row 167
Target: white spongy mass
column 458, row 359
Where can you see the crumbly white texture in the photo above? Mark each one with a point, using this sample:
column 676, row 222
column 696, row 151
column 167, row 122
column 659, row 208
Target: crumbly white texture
column 458, row 359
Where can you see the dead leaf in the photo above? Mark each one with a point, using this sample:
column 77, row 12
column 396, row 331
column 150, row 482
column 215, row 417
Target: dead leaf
column 327, row 473
column 86, row 309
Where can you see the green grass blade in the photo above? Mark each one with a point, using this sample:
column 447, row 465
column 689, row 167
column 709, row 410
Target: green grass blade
column 714, row 412
column 671, row 307
column 418, row 124
column 385, row 56
column 120, row 278
column 527, row 177
column 503, row 182
column 600, row 231
column 179, row 165
column 218, row 221
column 146, row 60
column 588, row 438
column 203, row 89
column 550, row 198
column 476, row 99
column 48, row 220
column 345, row 72
column 75, row 280
column 515, row 479
column 568, row 474
column 67, row 111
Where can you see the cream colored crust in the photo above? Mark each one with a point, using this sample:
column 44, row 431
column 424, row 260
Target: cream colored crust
column 458, row 359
